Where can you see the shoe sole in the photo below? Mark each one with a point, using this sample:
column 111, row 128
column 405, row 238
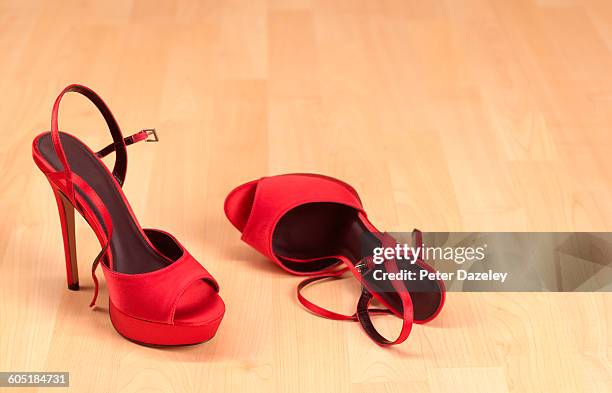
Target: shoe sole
column 161, row 334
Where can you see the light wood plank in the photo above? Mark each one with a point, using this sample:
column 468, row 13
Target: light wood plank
column 472, row 115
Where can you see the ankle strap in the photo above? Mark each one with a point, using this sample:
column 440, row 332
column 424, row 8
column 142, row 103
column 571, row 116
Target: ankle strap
column 323, row 312
column 120, row 167
column 142, row 135
column 363, row 315
column 364, row 312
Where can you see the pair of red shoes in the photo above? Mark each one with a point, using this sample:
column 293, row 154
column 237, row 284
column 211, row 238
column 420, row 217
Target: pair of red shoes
column 308, row 224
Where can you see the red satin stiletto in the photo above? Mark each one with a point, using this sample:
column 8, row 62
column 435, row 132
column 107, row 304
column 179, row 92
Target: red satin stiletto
column 159, row 294
column 311, row 224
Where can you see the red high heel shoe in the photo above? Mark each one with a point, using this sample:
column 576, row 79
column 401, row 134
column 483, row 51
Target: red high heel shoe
column 309, row 225
column 159, row 294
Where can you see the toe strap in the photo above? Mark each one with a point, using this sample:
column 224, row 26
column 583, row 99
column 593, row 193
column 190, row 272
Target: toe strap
column 272, row 200
column 179, row 292
column 154, row 296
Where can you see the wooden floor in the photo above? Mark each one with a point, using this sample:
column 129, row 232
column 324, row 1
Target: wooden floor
column 445, row 115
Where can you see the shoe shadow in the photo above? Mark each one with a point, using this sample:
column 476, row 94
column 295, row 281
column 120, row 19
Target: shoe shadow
column 212, row 351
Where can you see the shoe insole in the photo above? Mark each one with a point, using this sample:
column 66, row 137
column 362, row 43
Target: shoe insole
column 318, row 230
column 131, row 253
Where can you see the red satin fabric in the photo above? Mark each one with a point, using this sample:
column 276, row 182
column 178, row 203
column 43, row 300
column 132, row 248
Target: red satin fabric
column 154, row 296
column 276, row 195
column 174, row 293
column 272, row 199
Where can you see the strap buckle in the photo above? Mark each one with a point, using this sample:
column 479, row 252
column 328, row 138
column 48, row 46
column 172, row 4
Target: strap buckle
column 361, row 267
column 365, row 265
column 151, row 132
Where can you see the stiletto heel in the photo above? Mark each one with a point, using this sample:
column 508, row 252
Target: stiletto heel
column 66, row 213
column 158, row 293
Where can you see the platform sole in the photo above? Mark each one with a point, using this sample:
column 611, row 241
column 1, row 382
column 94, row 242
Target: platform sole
column 161, row 334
